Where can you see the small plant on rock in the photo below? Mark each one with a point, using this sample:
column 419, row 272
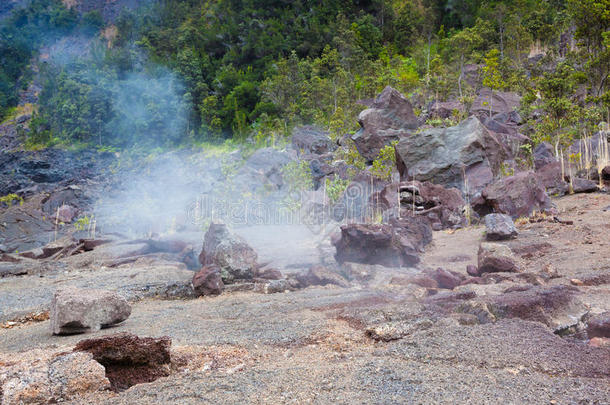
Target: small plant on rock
column 11, row 199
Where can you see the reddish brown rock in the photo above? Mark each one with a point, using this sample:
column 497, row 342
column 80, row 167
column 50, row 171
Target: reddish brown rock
column 519, row 195
column 208, row 281
column 129, row 359
column 599, row 326
column 557, row 307
column 472, row 270
column 445, row 278
column 390, row 117
column 396, row 244
column 496, row 257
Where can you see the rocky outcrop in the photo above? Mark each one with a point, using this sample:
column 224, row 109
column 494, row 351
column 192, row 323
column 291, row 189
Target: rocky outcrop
column 233, row 256
column 501, row 102
column 396, row 244
column 499, row 227
column 129, row 359
column 208, row 281
column 496, row 257
column 517, row 195
column 312, row 139
column 445, row 155
column 75, row 310
column 390, row 118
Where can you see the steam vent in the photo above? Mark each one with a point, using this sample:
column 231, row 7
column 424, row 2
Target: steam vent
column 304, row 202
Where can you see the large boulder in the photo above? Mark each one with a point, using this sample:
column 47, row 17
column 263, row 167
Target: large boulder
column 517, row 195
column 312, row 139
column 235, row 258
column 543, row 155
column 444, row 155
column 499, row 227
column 129, row 359
column 501, row 102
column 583, row 185
column 75, row 310
column 261, row 172
column 396, row 244
column 390, row 117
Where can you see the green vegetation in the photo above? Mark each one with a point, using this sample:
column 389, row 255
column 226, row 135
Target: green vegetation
column 335, row 188
column 193, row 71
column 11, row 199
column 385, row 162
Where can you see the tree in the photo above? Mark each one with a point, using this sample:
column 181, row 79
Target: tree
column 491, row 74
column 463, row 43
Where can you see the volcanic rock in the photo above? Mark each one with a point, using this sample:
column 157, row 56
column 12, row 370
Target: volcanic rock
column 445, row 109
column 444, row 155
column 543, row 155
column 499, row 227
column 129, row 359
column 517, row 195
column 445, row 278
column 599, row 326
column 583, row 185
column 557, row 307
column 208, row 281
column 552, row 180
column 312, row 139
column 395, row 244
column 235, row 258
column 45, row 379
column 321, row 275
column 496, row 257
column 390, row 117
column 75, row 310
column 501, row 102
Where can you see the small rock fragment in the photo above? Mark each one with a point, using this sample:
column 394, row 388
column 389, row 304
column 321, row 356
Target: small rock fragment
column 500, row 227
column 496, row 257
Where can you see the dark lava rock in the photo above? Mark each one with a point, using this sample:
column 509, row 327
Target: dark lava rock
column 499, row 227
column 445, row 155
column 129, row 359
column 312, row 139
column 396, row 244
column 583, row 185
column 599, row 326
column 495, row 257
column 543, row 155
column 517, row 195
column 208, row 281
column 390, row 117
column 235, row 258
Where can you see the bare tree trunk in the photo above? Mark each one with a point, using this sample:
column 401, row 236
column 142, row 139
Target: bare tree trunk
column 461, row 74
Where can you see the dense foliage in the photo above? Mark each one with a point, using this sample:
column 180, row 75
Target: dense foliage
column 184, row 71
